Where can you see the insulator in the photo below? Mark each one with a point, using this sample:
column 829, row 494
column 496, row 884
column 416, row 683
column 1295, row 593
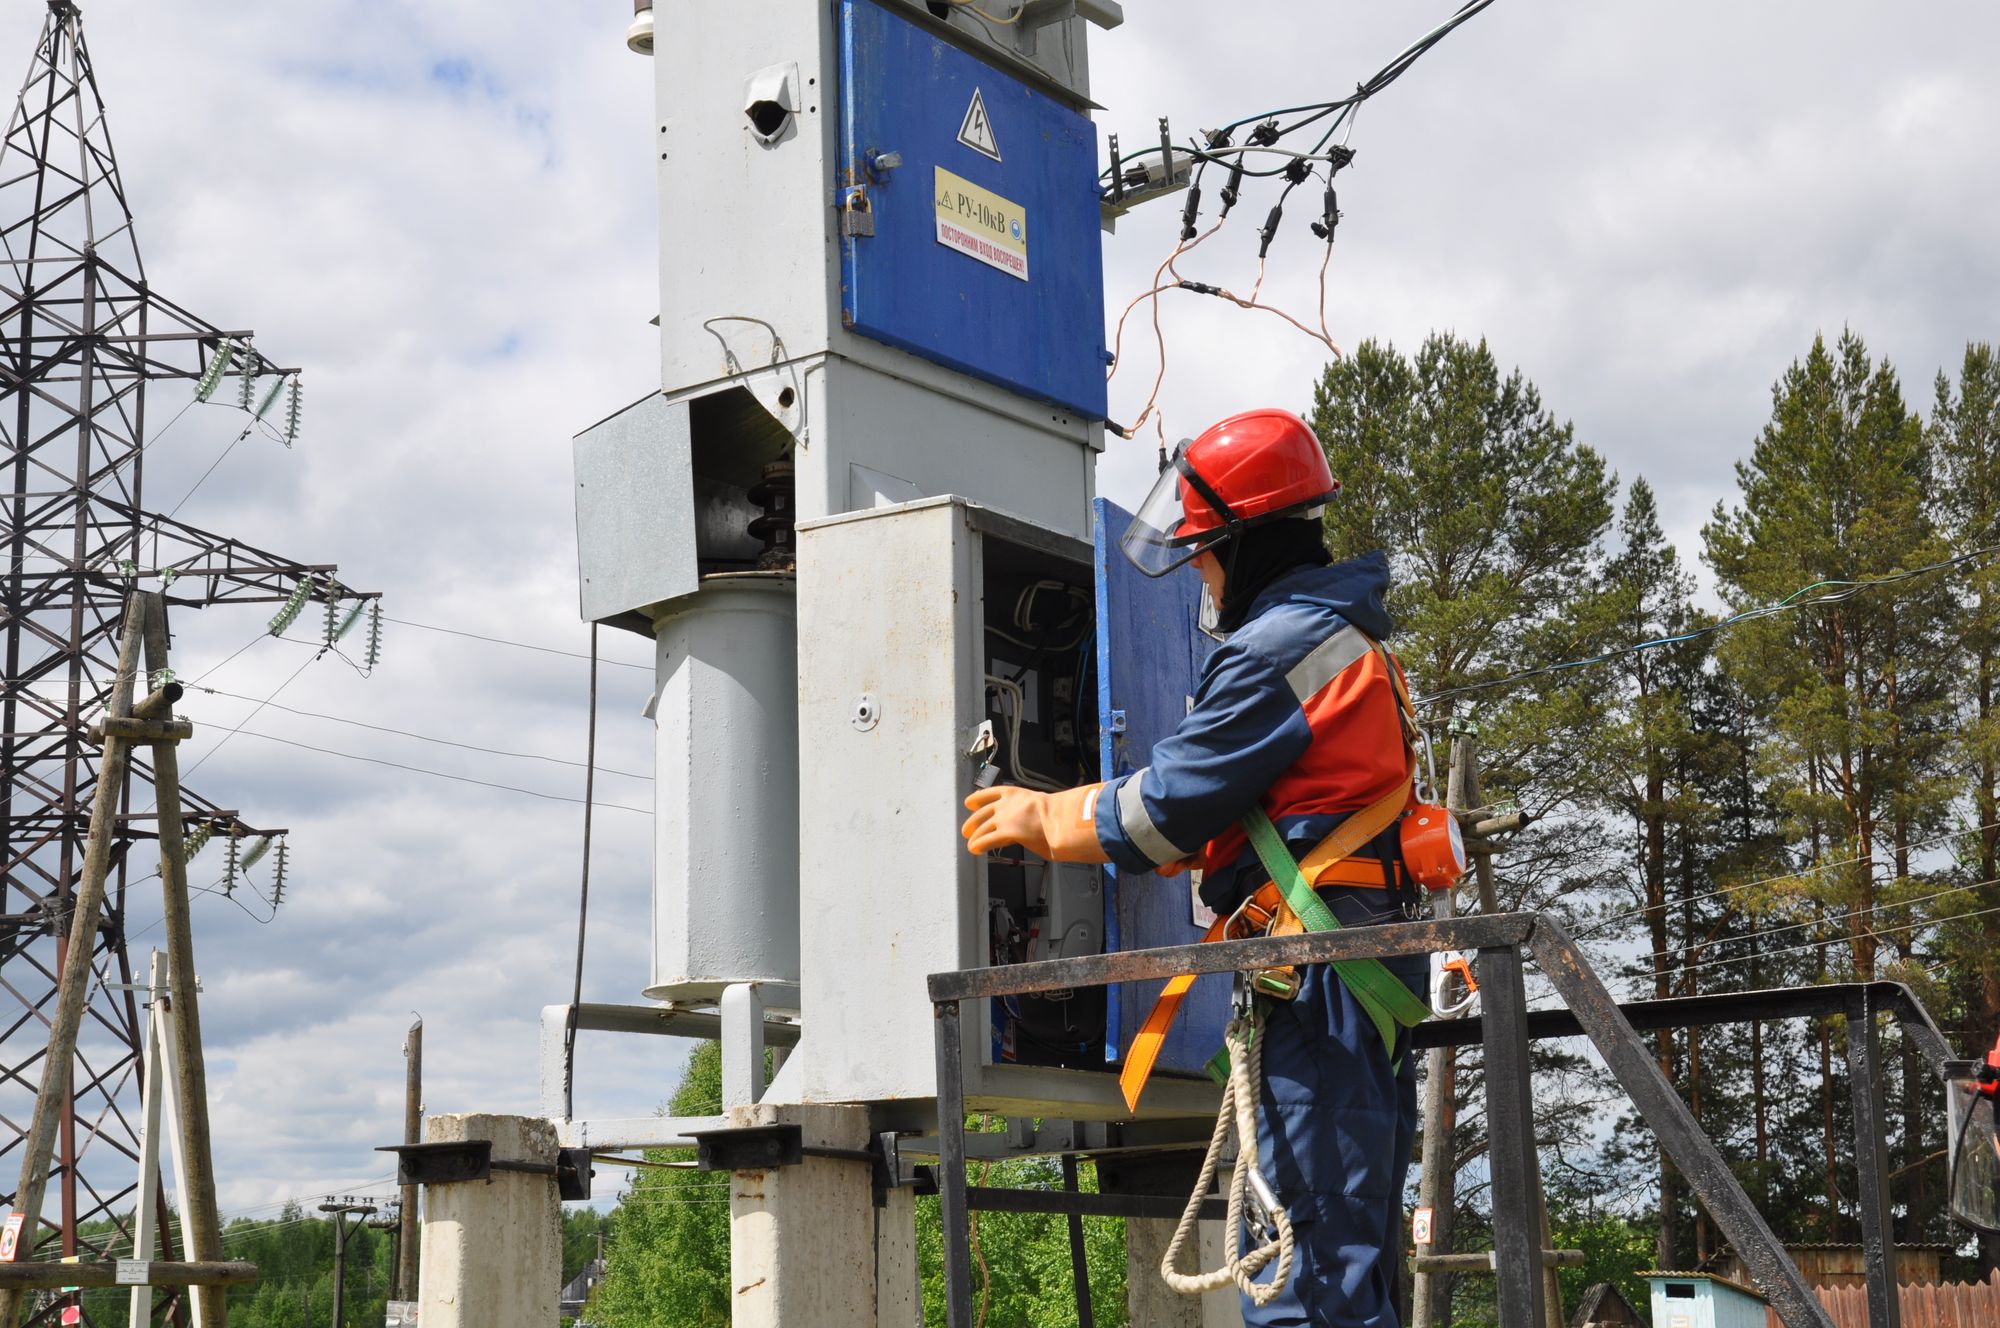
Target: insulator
column 332, row 619
column 374, row 632
column 196, row 839
column 256, row 853
column 291, row 410
column 161, row 677
column 218, row 365
column 270, row 397
column 168, row 575
column 347, row 623
column 774, row 493
column 293, row 607
column 247, row 378
column 278, row 876
column 232, row 846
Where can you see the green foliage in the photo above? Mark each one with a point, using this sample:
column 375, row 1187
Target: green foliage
column 1615, row 1249
column 667, row 1259
column 668, row 1249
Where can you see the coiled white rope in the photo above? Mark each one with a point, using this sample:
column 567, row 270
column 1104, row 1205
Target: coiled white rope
column 1244, row 1042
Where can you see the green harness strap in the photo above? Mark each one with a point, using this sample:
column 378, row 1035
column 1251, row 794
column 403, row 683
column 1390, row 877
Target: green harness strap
column 1382, row 994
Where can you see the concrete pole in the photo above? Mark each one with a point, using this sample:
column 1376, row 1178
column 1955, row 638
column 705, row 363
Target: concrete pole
column 492, row 1253
column 405, row 1281
column 807, row 1244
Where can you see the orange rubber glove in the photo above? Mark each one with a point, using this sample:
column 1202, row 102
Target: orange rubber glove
column 1061, row 827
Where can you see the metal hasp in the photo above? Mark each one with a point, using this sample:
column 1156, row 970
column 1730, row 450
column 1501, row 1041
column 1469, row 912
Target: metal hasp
column 472, row 1160
column 83, row 333
column 1501, row 942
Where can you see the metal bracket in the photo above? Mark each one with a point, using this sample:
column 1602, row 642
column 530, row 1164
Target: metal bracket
column 472, row 1160
column 771, row 1147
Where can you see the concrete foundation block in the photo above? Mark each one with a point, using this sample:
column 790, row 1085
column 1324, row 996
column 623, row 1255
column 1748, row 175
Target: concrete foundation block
column 807, row 1245
column 492, row 1253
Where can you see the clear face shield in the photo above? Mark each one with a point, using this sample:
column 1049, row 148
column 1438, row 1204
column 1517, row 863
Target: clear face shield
column 1155, row 542
column 1974, row 1148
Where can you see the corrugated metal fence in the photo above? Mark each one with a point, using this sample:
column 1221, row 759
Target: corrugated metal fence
column 1944, row 1306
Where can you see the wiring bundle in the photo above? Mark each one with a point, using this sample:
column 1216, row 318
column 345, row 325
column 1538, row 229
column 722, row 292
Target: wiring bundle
column 1251, row 149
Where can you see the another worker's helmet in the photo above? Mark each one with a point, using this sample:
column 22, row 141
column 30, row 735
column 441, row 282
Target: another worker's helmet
column 1259, row 466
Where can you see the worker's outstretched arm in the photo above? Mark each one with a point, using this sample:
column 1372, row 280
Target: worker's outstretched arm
column 1245, row 729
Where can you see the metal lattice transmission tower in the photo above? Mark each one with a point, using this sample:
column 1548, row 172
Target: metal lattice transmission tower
column 82, row 334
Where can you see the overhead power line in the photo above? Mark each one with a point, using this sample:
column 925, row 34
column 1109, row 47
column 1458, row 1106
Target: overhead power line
column 1843, row 590
column 1877, row 932
column 1846, row 915
column 518, row 645
column 419, row 737
column 436, row 774
column 1802, row 873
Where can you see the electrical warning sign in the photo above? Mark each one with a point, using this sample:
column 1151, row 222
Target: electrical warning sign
column 976, row 130
column 980, row 224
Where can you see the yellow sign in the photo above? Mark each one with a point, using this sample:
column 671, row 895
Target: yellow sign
column 980, row 224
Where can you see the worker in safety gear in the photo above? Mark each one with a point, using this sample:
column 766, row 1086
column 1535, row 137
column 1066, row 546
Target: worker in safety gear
column 1294, row 712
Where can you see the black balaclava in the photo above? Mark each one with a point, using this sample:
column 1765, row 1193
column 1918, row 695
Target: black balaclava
column 1259, row 555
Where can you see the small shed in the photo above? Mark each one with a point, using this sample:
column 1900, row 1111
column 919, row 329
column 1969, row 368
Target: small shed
column 1604, row 1306
column 1703, row 1300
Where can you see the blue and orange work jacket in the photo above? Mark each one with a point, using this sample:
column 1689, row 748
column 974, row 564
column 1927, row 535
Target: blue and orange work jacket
column 1294, row 712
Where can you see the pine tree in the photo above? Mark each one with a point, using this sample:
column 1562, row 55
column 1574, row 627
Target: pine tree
column 1848, row 692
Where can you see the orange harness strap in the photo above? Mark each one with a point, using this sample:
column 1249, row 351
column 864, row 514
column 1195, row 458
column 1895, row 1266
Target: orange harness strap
column 1330, row 853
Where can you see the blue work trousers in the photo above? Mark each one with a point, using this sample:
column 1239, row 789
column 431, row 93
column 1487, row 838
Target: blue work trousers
column 1334, row 1134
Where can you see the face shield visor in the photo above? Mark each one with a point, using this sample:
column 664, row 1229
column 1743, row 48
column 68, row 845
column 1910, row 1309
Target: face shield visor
column 1159, row 539
column 1974, row 1148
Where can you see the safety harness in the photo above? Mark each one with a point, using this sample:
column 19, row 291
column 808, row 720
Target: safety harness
column 1286, row 904
column 1291, row 906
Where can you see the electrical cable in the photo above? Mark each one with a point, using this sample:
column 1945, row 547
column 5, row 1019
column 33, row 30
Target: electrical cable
column 419, row 737
column 501, row 641
column 583, row 890
column 1014, row 718
column 972, row 7
column 247, row 718
column 1848, row 915
column 1341, row 109
column 1789, row 603
column 1601, row 923
column 1877, row 933
column 438, row 774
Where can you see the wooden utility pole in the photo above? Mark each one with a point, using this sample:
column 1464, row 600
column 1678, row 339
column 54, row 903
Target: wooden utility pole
column 1436, row 1190
column 1430, row 1297
column 74, row 984
column 340, row 1233
column 200, row 1216
column 413, row 1133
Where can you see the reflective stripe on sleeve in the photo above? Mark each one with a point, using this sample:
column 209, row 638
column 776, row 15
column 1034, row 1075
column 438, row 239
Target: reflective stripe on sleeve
column 1139, row 827
column 1328, row 660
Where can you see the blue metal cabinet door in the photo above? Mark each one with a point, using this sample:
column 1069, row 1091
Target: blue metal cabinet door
column 1029, row 315
column 1150, row 650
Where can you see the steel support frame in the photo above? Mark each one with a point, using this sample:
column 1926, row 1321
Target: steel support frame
column 82, row 334
column 1501, row 942
column 726, row 1025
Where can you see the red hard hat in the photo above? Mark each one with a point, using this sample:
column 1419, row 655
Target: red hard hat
column 1257, row 466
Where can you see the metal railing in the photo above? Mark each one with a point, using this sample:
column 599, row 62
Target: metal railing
column 1504, row 1030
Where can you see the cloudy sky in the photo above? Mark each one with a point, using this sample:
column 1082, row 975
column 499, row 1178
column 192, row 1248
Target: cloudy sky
column 445, row 212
